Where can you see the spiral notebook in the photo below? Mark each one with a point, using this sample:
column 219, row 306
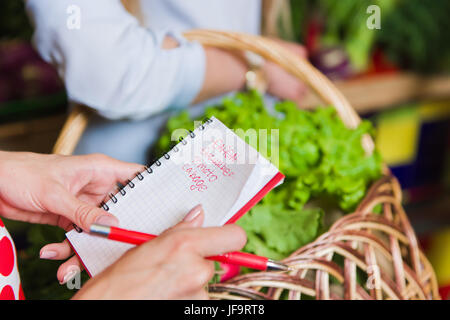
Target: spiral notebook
column 211, row 166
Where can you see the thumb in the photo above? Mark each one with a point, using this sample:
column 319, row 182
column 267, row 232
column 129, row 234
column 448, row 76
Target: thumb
column 81, row 213
column 193, row 219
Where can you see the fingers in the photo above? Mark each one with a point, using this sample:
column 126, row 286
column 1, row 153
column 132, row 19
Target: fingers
column 205, row 241
column 283, row 84
column 14, row 213
column 219, row 240
column 69, row 269
column 292, row 89
column 122, row 170
column 61, row 251
column 56, row 251
column 79, row 212
column 297, row 49
column 294, row 47
column 192, row 284
column 208, row 241
column 193, row 219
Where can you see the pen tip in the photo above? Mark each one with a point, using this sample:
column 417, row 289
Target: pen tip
column 277, row 266
column 100, row 230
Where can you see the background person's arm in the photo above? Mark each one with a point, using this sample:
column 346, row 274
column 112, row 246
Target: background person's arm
column 121, row 69
column 225, row 71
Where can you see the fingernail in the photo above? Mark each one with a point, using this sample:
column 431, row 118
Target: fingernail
column 193, row 213
column 48, row 254
column 107, row 220
column 69, row 275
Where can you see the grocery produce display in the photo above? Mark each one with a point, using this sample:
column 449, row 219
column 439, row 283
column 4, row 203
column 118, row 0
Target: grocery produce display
column 411, row 34
column 327, row 171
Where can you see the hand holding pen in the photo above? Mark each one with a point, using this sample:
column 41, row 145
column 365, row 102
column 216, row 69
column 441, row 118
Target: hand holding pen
column 172, row 266
column 237, row 258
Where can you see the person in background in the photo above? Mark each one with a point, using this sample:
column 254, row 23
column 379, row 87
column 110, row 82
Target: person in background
column 40, row 189
column 134, row 70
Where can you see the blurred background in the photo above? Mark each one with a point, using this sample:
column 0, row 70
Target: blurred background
column 397, row 76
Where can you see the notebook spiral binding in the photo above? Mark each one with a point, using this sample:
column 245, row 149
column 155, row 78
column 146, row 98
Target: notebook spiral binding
column 149, row 170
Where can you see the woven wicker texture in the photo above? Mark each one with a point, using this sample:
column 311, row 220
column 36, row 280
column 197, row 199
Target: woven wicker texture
column 365, row 255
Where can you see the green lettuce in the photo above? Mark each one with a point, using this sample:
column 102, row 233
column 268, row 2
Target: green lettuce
column 275, row 232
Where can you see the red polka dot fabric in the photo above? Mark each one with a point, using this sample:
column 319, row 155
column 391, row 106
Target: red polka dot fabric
column 7, row 293
column 7, row 256
column 10, row 288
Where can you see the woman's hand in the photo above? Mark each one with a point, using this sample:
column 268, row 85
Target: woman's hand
column 59, row 190
column 172, row 266
column 225, row 72
column 281, row 83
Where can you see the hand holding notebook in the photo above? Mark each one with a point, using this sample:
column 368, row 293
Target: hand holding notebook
column 211, row 166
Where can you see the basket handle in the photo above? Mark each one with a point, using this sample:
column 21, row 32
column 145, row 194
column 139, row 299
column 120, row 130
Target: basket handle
column 270, row 50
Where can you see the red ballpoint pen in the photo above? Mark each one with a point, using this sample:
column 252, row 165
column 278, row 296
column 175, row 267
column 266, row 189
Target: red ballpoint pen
column 238, row 258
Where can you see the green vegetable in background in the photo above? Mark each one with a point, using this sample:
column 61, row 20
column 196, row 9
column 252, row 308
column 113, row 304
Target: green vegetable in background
column 346, row 26
column 417, row 35
column 319, row 156
column 275, row 232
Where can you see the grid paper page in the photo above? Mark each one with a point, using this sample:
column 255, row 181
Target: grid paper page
column 214, row 167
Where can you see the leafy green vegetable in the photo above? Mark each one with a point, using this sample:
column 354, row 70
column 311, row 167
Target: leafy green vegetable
column 275, row 232
column 319, row 156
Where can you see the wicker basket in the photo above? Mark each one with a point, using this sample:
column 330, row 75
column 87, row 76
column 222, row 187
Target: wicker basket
column 381, row 249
